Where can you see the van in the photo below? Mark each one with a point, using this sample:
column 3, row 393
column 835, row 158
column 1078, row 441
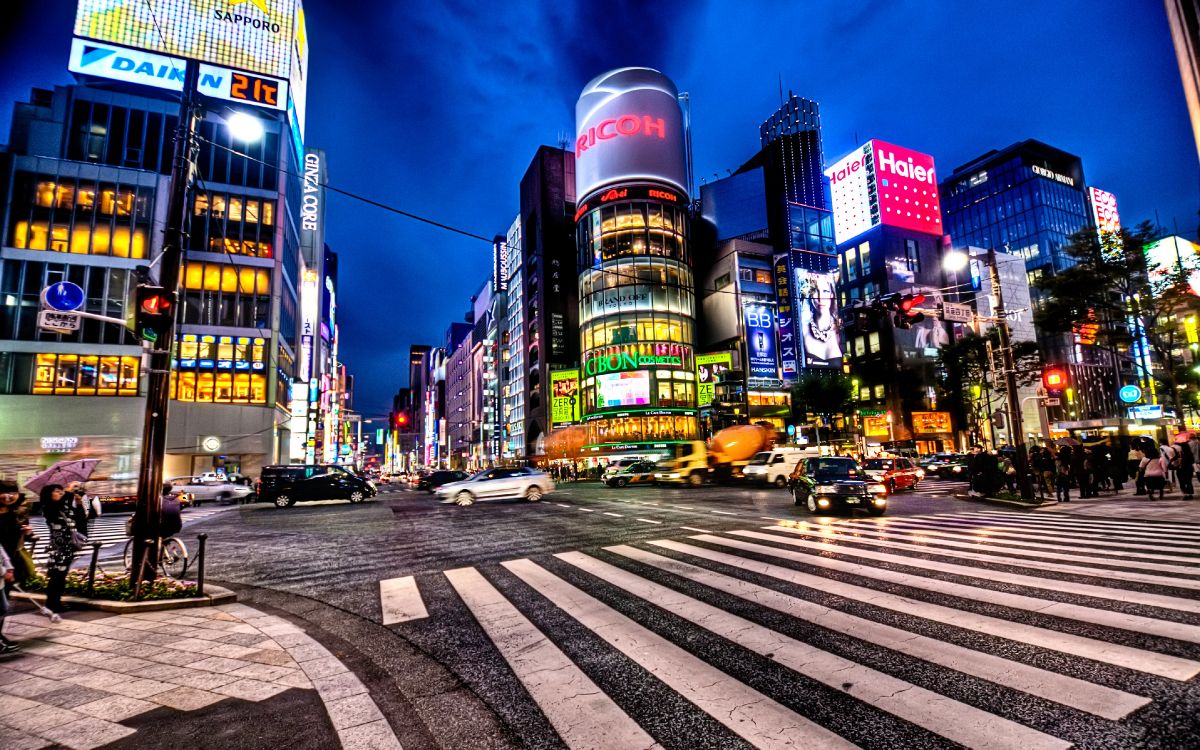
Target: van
column 774, row 466
column 286, row 485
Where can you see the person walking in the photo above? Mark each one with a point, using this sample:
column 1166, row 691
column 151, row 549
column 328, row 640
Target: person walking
column 1134, row 462
column 1154, row 471
column 6, row 573
column 1186, row 470
column 62, row 543
column 1063, row 474
column 83, row 507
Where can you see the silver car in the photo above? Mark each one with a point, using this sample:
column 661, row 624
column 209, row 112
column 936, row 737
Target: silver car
column 498, row 484
column 207, row 489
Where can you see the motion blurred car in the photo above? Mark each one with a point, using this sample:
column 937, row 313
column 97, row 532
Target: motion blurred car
column 430, row 482
column 895, row 473
column 286, row 484
column 934, row 465
column 208, row 488
column 641, row 472
column 498, row 484
column 833, row 483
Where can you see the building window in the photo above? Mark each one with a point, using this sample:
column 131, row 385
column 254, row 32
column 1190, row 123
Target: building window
column 82, row 375
column 912, row 256
column 234, row 224
column 879, row 392
column 873, row 342
column 105, row 290
column 761, row 276
column 80, row 216
column 219, row 294
column 864, row 258
column 849, row 263
column 746, row 274
column 219, row 387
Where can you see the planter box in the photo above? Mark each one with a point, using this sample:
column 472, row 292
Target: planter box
column 213, row 595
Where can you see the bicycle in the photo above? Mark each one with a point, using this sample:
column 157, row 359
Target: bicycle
column 172, row 557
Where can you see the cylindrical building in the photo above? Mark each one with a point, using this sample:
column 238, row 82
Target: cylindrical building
column 636, row 293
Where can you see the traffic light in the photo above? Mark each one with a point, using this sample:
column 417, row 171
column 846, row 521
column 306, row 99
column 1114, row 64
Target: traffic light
column 905, row 315
column 1054, row 379
column 154, row 311
column 401, row 420
column 998, row 419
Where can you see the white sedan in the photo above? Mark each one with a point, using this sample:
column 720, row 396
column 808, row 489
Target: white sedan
column 211, row 488
column 498, row 484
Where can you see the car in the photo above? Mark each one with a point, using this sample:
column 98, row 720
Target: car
column 895, row 473
column 774, row 466
column 498, row 484
column 641, row 472
column 287, row 484
column 831, row 483
column 208, row 488
column 932, row 463
column 432, row 481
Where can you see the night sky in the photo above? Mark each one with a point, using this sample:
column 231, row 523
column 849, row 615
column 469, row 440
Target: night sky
column 437, row 108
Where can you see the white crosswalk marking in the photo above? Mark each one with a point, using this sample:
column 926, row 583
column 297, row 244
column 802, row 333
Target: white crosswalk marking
column 1043, row 519
column 943, row 624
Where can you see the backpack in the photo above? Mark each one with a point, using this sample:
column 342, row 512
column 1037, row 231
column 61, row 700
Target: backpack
column 1175, row 459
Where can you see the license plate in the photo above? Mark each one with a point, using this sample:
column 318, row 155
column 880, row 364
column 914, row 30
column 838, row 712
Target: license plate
column 852, row 500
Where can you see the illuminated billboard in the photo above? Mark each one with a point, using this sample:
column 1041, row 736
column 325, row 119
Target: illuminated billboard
column 1172, row 256
column 623, row 389
column 817, row 320
column 619, row 357
column 760, row 341
column 628, row 127
column 1104, row 211
column 708, row 366
column 564, row 397
column 881, row 183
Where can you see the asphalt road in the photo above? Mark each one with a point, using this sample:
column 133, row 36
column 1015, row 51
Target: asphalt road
column 729, row 618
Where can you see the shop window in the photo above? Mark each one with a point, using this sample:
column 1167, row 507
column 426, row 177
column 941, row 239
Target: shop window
column 84, row 375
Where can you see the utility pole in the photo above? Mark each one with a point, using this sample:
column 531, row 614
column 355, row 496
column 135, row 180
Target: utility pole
column 1016, row 423
column 154, row 433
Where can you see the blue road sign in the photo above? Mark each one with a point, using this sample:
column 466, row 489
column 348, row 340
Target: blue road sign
column 1130, row 394
column 63, row 296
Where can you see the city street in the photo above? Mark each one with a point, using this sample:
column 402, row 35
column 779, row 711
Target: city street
column 726, row 617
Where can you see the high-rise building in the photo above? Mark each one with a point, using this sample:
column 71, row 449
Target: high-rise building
column 551, row 302
column 513, row 349
column 637, row 318
column 1184, row 18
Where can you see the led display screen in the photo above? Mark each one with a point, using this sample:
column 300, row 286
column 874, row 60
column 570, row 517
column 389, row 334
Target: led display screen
column 880, row 183
column 760, row 341
column 817, row 320
column 623, row 389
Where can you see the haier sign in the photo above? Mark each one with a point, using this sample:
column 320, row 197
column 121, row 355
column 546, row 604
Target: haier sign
column 879, row 183
column 160, row 71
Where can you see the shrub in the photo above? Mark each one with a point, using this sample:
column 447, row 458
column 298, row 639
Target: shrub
column 117, row 586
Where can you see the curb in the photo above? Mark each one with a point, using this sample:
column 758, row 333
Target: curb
column 219, row 595
column 1001, row 501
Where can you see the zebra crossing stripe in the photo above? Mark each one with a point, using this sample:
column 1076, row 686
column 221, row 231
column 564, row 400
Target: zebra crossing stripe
column 754, row 717
column 981, row 535
column 1106, row 618
column 1099, row 700
column 1100, row 536
column 1049, row 584
column 1140, row 660
column 582, row 714
column 1190, row 530
column 1173, row 539
column 400, row 600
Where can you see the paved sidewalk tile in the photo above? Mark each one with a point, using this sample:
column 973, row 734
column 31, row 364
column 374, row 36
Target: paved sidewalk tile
column 116, row 708
column 186, row 698
column 13, row 739
column 377, row 735
column 86, row 733
column 352, row 711
column 251, row 690
column 338, row 686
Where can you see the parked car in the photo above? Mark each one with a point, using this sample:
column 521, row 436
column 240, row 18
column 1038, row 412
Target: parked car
column 895, row 473
column 774, row 466
column 430, row 482
column 641, row 472
column 498, row 484
column 286, row 485
column 208, row 488
column 832, row 483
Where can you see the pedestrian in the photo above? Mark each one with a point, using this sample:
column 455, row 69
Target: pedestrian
column 1154, row 470
column 1134, row 462
column 84, row 508
column 1170, row 456
column 1079, row 469
column 1010, row 473
column 1186, row 470
column 1045, row 467
column 170, row 518
column 1116, row 466
column 15, row 530
column 6, row 572
column 62, row 543
column 980, row 467
column 1063, row 474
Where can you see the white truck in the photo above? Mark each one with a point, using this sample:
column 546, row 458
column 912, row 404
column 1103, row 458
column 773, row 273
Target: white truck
column 774, row 466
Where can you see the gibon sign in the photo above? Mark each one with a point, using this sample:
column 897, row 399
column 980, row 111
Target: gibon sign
column 880, row 183
column 628, row 127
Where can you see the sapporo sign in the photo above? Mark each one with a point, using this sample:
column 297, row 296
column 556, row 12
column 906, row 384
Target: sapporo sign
column 622, row 357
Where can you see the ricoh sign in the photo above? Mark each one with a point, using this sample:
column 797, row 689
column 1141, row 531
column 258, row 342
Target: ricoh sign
column 879, row 183
column 628, row 127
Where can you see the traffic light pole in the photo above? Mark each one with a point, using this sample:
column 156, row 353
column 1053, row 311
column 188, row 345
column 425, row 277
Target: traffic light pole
column 1016, row 426
column 148, row 512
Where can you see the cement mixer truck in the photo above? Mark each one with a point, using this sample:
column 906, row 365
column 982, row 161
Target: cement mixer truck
column 721, row 459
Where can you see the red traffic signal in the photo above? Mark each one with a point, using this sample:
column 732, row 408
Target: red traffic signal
column 1054, row 378
column 154, row 312
column 909, row 301
column 401, row 420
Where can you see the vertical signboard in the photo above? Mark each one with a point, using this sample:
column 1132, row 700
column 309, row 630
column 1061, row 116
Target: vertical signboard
column 785, row 297
column 564, row 397
column 708, row 366
column 851, row 187
column 760, row 341
column 817, row 321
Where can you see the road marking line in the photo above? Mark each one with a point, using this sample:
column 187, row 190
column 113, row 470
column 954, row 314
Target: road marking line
column 1100, row 700
column 958, row 722
column 618, row 515
column 563, row 505
column 1173, row 667
column 1095, row 554
column 582, row 714
column 647, row 520
column 723, row 512
column 400, row 600
column 685, row 507
column 748, row 713
column 1167, row 537
column 693, row 528
column 890, row 540
column 1042, row 518
column 587, row 510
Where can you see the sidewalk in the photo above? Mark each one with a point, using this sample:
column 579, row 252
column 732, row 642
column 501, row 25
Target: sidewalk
column 1128, row 506
column 214, row 677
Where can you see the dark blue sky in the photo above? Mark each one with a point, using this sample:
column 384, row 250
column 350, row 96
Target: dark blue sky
column 437, row 108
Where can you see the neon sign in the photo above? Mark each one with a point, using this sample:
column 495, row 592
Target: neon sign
column 625, row 125
column 624, row 357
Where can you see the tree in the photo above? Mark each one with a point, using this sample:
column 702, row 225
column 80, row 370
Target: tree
column 824, row 394
column 1112, row 286
column 963, row 366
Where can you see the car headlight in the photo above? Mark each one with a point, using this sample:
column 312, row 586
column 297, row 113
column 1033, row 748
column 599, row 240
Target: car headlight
column 822, row 502
column 876, row 489
column 827, row 489
column 956, row 469
column 920, row 473
column 880, row 501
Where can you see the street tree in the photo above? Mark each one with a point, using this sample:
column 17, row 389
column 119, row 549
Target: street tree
column 966, row 383
column 1113, row 289
column 827, row 395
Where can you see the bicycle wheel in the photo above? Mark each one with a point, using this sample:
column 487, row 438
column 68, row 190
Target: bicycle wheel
column 128, row 555
column 174, row 558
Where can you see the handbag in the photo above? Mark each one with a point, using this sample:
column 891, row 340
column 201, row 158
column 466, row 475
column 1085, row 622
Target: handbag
column 79, row 541
column 22, row 564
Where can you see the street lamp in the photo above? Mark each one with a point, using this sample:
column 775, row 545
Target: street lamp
column 955, row 261
column 244, row 127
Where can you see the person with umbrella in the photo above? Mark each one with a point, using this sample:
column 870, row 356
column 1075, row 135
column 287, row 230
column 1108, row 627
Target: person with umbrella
column 62, row 543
